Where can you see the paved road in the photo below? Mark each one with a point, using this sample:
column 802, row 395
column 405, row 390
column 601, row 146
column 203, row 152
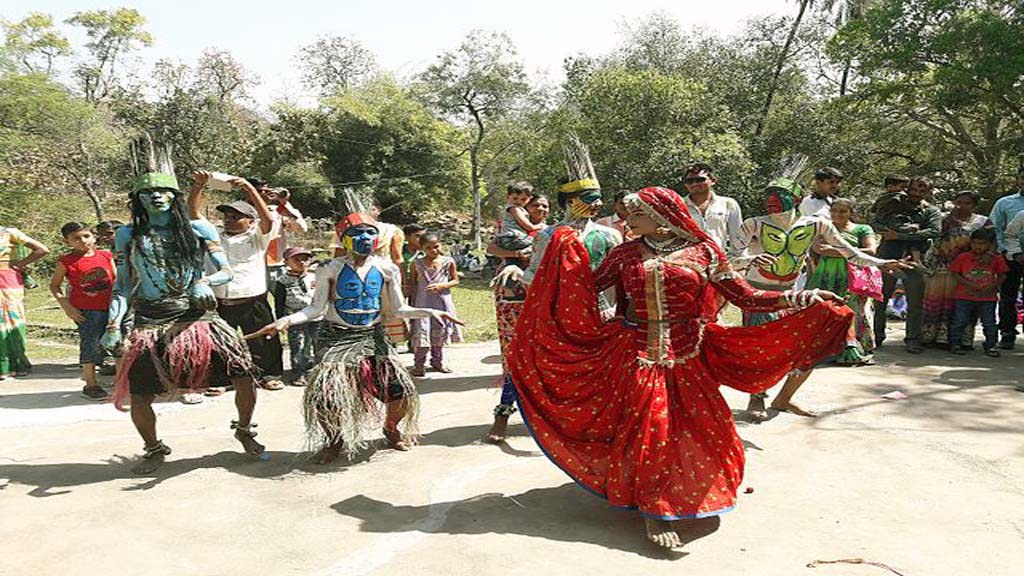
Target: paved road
column 932, row 485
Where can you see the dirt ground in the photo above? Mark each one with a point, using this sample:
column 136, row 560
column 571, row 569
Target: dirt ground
column 930, row 485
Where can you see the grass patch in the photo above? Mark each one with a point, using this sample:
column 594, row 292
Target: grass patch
column 474, row 303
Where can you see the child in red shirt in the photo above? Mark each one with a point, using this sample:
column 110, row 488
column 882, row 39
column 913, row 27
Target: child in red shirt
column 90, row 276
column 978, row 273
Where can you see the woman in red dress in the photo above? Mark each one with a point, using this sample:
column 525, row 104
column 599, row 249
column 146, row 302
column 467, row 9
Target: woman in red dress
column 630, row 409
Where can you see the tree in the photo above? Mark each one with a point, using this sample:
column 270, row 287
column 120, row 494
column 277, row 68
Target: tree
column 51, row 141
column 35, row 43
column 478, row 82
column 199, row 110
column 951, row 67
column 112, row 35
column 334, row 63
column 376, row 138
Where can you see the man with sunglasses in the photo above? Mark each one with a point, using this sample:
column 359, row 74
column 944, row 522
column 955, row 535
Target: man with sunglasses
column 818, row 203
column 719, row 216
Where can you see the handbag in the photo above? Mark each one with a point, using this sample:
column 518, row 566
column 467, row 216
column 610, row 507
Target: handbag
column 864, row 281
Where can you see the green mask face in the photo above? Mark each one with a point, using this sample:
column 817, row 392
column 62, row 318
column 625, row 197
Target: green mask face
column 788, row 246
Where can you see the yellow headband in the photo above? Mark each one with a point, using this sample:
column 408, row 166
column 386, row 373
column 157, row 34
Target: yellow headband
column 580, row 185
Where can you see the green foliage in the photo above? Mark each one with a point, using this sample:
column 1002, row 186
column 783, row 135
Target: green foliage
column 335, row 63
column 952, row 68
column 51, row 141
column 35, row 43
column 112, row 34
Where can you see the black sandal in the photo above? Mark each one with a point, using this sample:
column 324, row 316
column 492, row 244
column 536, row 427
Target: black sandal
column 992, row 353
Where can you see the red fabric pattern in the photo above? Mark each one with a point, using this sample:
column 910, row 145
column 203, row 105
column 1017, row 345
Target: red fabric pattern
column 655, row 435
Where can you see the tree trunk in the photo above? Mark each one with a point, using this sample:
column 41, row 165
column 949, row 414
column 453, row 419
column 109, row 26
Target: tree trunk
column 845, row 79
column 779, row 65
column 97, row 206
column 477, row 200
column 474, row 167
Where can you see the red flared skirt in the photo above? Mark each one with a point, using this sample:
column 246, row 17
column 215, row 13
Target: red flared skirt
column 658, row 438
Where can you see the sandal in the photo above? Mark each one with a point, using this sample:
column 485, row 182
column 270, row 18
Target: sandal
column 94, row 393
column 442, row 368
column 958, row 351
column 274, row 384
column 992, row 353
column 914, row 349
column 215, row 391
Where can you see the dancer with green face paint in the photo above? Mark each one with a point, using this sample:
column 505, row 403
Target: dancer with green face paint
column 772, row 254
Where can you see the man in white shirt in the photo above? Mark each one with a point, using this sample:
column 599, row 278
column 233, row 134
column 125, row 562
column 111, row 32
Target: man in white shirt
column 818, row 203
column 248, row 232
column 719, row 216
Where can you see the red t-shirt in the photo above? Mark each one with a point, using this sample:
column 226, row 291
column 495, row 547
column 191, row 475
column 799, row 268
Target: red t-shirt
column 91, row 279
column 982, row 270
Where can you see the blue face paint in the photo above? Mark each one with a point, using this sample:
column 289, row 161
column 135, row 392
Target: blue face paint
column 157, row 200
column 363, row 239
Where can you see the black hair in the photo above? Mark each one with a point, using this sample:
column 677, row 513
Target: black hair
column 827, row 173
column 519, row 187
column 410, row 229
column 893, row 179
column 986, row 234
column 185, row 241
column 109, row 225
column 697, row 168
column 848, row 202
column 429, row 236
column 971, row 194
column 535, row 197
column 926, row 181
column 620, row 195
column 72, row 227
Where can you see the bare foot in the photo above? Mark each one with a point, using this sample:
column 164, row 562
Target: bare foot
column 794, row 409
column 397, row 441
column 496, row 435
column 249, row 443
column 329, row 453
column 152, row 459
column 661, row 533
column 756, row 410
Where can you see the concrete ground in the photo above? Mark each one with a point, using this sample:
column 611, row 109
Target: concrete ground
column 930, row 485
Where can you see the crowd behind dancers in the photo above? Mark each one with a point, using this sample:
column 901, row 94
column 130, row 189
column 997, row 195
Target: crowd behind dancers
column 961, row 268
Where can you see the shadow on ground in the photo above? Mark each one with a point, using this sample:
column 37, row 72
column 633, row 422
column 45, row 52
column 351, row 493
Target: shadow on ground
column 539, row 513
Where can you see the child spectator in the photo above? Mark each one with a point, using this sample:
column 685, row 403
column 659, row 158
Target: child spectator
column 105, row 233
column 293, row 291
column 516, row 229
column 90, row 276
column 433, row 277
column 979, row 274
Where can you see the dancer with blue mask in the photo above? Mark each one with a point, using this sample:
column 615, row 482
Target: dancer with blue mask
column 357, row 367
column 178, row 340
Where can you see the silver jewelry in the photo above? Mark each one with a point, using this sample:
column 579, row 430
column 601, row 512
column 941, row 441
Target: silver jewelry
column 665, row 246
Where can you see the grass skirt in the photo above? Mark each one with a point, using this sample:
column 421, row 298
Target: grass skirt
column 356, row 369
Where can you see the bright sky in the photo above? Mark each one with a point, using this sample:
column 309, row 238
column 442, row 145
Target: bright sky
column 404, row 35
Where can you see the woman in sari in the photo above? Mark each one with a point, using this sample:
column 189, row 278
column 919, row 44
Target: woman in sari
column 13, row 360
column 630, row 409
column 939, row 281
column 832, row 273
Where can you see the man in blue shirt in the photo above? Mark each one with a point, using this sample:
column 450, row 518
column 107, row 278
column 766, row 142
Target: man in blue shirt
column 1002, row 213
